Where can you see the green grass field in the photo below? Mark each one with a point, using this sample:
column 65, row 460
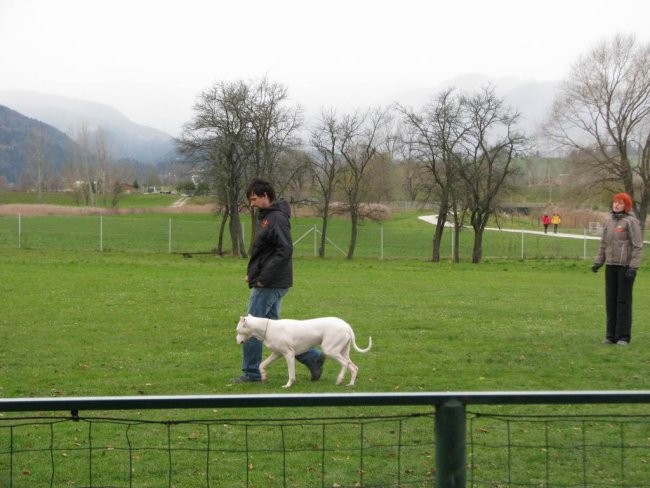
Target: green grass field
column 118, row 323
column 86, row 323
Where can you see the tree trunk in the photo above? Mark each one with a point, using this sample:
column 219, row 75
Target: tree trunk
column 437, row 234
column 354, row 219
column 477, row 251
column 456, row 246
column 235, row 233
column 323, row 235
column 222, row 230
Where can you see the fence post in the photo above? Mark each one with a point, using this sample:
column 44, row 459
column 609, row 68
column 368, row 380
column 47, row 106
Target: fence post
column 450, row 445
column 453, row 236
column 101, row 233
column 20, row 230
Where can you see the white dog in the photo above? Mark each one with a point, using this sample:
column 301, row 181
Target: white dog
column 288, row 337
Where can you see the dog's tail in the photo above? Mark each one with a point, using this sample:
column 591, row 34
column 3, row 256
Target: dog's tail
column 354, row 343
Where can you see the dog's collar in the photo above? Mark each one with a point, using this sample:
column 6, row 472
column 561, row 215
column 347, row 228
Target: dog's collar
column 266, row 328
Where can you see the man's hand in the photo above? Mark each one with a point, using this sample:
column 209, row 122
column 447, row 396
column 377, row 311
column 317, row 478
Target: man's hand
column 630, row 273
column 596, row 267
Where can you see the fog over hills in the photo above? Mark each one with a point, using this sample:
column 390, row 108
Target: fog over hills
column 21, row 137
column 126, row 139
column 532, row 99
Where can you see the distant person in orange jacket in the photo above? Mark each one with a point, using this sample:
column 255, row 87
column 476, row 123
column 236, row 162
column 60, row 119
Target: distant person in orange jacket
column 555, row 220
column 546, row 220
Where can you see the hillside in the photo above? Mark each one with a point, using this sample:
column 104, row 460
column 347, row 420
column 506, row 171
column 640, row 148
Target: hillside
column 126, row 139
column 15, row 133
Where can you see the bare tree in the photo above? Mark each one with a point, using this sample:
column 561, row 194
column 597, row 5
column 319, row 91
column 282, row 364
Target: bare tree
column 414, row 179
column 240, row 130
column 217, row 138
column 326, row 164
column 361, row 135
column 382, row 178
column 602, row 115
column 84, row 175
column 103, row 183
column 274, row 126
column 434, row 135
column 490, row 143
column 383, row 174
column 38, row 167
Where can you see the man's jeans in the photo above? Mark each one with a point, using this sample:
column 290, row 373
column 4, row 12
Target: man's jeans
column 265, row 302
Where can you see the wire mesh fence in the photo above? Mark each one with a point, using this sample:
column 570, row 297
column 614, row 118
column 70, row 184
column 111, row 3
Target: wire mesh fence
column 559, row 451
column 375, row 451
column 189, row 234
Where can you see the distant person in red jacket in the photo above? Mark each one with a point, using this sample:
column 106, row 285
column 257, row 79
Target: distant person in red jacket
column 546, row 220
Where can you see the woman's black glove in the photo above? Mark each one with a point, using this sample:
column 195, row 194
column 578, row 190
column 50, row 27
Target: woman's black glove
column 630, row 273
column 596, row 267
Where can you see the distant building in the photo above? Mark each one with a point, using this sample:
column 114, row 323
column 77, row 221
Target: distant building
column 127, row 188
column 166, row 189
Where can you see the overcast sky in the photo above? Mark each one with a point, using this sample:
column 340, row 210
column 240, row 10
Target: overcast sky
column 151, row 58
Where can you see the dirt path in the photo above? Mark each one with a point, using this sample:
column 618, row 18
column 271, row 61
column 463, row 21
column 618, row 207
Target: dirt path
column 33, row 210
column 180, row 202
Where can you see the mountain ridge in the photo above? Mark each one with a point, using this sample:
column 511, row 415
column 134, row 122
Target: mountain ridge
column 18, row 133
column 126, row 139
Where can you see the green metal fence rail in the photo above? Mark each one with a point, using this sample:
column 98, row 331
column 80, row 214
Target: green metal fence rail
column 450, row 411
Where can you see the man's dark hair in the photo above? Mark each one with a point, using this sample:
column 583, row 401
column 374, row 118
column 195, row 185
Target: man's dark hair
column 259, row 187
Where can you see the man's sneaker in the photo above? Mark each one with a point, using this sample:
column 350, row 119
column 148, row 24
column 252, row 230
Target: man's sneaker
column 607, row 341
column 623, row 343
column 245, row 379
column 317, row 370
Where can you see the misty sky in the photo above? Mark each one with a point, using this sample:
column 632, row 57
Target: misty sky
column 151, row 58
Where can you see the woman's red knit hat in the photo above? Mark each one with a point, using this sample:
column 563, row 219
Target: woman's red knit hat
column 626, row 199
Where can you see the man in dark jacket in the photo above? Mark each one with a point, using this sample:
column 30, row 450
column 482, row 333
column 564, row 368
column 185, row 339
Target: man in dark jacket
column 270, row 275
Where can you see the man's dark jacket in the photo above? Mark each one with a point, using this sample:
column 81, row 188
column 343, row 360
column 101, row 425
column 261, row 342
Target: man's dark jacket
column 270, row 263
